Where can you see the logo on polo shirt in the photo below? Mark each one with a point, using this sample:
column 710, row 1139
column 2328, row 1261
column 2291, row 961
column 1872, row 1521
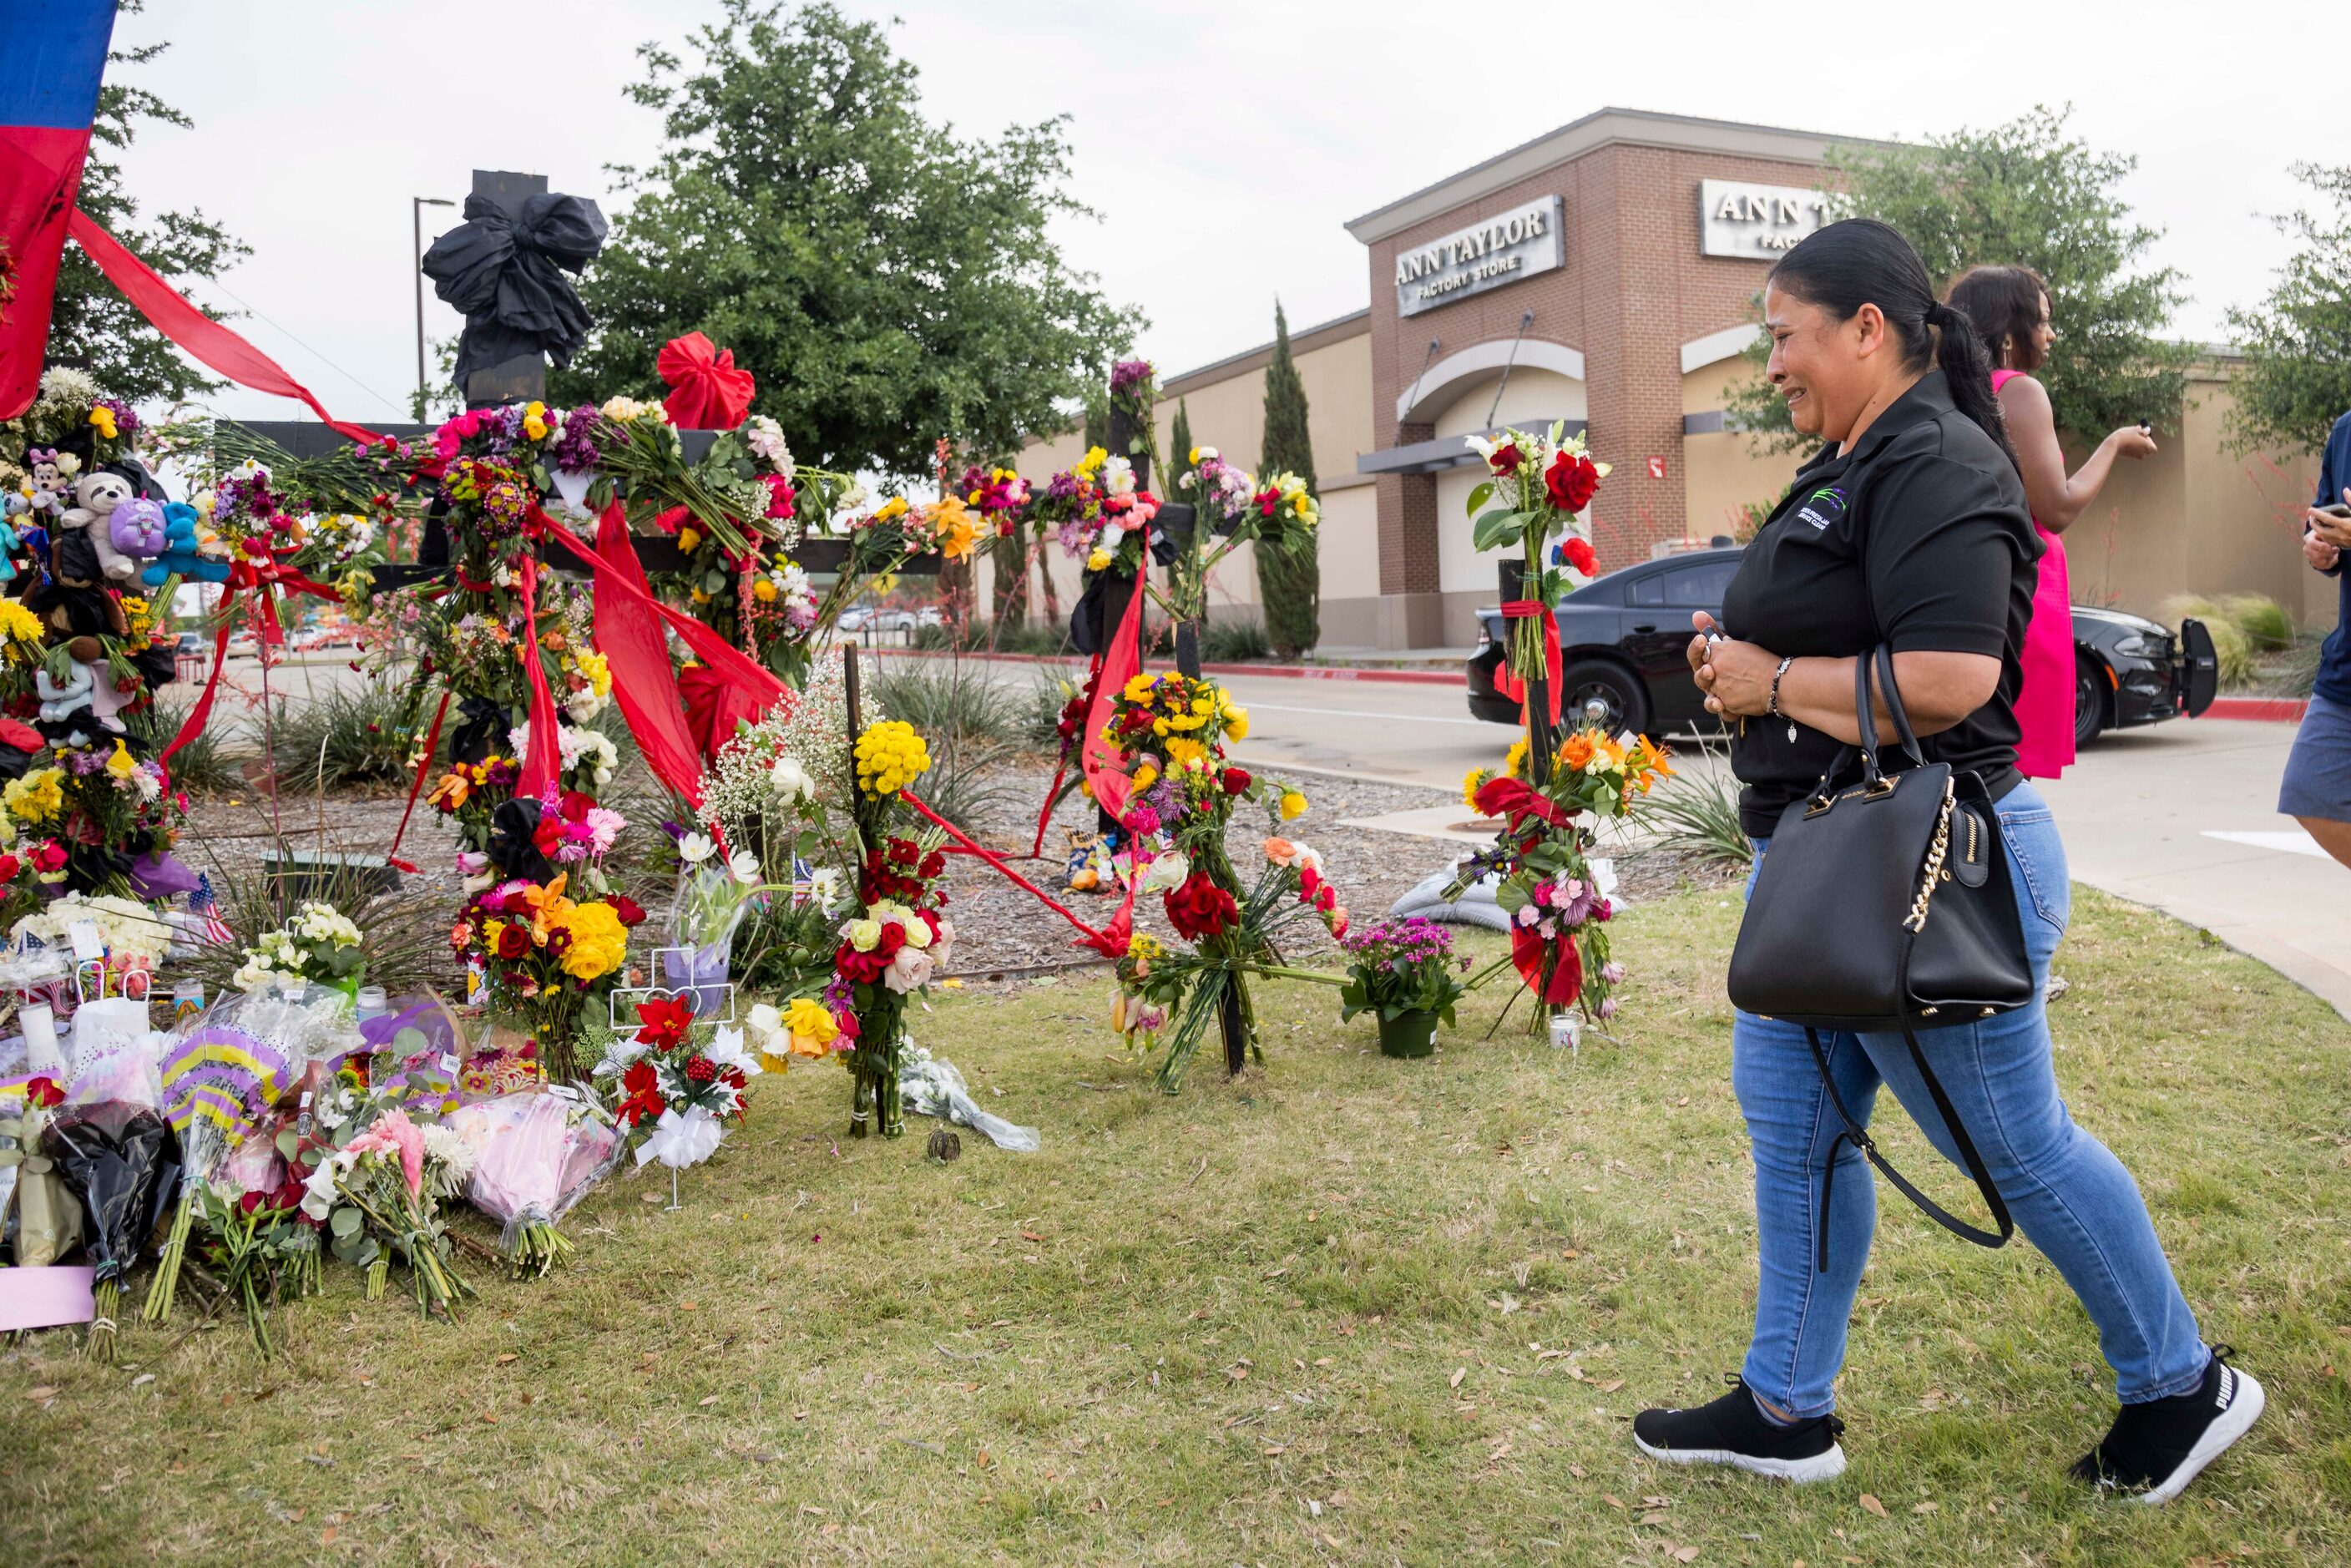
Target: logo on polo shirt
column 1823, row 507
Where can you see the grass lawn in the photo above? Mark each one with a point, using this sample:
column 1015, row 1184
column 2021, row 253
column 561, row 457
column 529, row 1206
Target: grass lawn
column 1345, row 1309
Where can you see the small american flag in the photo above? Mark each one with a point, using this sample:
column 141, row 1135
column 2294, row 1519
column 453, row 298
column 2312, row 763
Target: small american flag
column 202, row 902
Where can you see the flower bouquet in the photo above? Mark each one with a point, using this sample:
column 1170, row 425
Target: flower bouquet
column 318, row 944
column 677, row 1090
column 998, row 495
column 544, row 956
column 383, row 1179
column 1403, row 970
column 1539, row 488
column 535, row 1155
column 900, row 933
column 1172, row 729
column 1558, row 897
column 110, row 1144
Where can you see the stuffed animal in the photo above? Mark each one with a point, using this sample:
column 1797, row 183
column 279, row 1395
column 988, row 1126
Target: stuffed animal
column 178, row 555
column 9, row 545
column 73, row 602
column 138, row 528
column 61, row 702
column 96, row 498
column 52, row 473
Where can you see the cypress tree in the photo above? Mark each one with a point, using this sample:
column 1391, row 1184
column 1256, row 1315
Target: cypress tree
column 1288, row 582
column 1096, row 429
column 1179, row 449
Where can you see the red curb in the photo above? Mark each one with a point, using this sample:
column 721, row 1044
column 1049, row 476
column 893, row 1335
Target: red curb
column 2281, row 710
column 1278, row 672
column 2276, row 710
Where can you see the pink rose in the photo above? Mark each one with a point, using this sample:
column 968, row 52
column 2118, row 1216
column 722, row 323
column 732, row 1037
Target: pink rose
column 909, row 970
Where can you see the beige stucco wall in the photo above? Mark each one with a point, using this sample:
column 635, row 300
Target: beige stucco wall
column 1229, row 415
column 2196, row 518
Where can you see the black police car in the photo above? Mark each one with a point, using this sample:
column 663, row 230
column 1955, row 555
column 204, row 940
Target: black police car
column 1622, row 640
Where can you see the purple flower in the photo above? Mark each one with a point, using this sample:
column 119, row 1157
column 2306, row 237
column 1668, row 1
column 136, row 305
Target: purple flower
column 575, row 449
column 1063, row 485
column 1127, row 375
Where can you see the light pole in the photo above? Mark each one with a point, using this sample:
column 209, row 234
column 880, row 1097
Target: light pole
column 416, row 261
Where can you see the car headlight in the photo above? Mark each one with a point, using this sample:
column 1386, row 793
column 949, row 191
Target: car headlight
column 2139, row 645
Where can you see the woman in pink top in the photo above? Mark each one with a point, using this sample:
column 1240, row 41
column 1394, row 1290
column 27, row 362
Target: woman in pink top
column 2009, row 308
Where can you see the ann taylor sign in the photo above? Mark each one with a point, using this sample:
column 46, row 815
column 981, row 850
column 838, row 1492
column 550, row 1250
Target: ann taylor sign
column 1503, row 249
column 1754, row 221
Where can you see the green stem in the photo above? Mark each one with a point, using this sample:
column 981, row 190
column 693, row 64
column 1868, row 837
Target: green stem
column 1487, row 972
column 1290, row 972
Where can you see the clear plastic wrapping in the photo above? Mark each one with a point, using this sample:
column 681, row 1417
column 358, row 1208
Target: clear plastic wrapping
column 930, row 1087
column 536, row 1154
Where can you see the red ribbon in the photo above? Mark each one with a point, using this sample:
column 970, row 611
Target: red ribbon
column 1517, row 800
column 1530, row 949
column 423, row 766
column 1508, row 681
column 1112, row 943
column 257, row 578
column 706, row 390
column 204, row 338
column 1117, row 663
column 638, row 657
column 545, row 754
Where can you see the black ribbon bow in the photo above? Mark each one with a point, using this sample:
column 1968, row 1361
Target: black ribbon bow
column 507, row 275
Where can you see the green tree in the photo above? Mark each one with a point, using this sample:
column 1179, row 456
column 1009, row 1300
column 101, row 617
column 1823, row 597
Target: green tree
column 1288, row 582
column 887, row 282
column 1093, row 430
column 1180, row 450
column 92, row 327
column 2026, row 193
column 2297, row 377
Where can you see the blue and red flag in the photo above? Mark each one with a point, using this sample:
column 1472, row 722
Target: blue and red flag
column 48, row 96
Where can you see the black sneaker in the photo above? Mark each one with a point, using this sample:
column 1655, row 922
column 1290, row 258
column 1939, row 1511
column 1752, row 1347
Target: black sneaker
column 1732, row 1431
column 2156, row 1447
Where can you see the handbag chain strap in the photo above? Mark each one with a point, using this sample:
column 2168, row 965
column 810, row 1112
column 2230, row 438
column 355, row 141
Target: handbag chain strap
column 1936, row 854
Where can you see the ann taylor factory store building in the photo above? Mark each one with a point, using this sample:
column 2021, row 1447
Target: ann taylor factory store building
column 1605, row 275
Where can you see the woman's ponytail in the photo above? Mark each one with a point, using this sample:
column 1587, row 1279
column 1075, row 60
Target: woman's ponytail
column 1966, row 365
column 1860, row 261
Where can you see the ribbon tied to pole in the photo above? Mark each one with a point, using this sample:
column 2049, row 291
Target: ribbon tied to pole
column 1512, row 685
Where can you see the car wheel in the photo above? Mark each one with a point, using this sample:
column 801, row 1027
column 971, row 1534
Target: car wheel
column 2089, row 701
column 1597, row 695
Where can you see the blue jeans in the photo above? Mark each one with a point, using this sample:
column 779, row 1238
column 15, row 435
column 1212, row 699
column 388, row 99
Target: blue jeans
column 2070, row 1197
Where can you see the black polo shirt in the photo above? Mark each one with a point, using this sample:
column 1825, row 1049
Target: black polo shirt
column 1918, row 536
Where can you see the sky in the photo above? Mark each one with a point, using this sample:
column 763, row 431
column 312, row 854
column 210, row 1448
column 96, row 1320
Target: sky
column 1224, row 142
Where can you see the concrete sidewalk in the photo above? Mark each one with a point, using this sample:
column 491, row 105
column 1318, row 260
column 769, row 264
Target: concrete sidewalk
column 2183, row 817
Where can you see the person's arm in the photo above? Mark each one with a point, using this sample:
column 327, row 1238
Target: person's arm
column 2055, row 499
column 1939, row 688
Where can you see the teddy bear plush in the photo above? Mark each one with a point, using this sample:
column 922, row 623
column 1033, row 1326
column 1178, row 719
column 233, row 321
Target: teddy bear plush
column 178, row 557
column 96, row 498
column 74, row 602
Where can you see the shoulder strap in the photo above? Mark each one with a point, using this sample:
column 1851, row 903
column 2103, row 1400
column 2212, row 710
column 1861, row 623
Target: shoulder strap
column 1858, row 1136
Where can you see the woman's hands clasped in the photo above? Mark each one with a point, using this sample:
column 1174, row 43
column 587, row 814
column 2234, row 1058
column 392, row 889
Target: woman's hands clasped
column 1735, row 676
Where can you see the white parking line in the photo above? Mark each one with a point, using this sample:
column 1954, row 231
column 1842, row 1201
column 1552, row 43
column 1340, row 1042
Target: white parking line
column 1358, row 713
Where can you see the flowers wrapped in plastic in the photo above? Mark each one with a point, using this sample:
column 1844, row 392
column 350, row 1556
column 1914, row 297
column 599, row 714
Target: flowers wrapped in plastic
column 110, row 1145
column 535, row 1155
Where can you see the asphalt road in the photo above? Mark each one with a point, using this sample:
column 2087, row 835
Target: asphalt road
column 2182, row 816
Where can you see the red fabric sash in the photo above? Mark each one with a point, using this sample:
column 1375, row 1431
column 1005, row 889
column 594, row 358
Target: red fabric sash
column 1121, row 661
column 708, row 392
column 1110, row 942
column 245, row 576
column 1517, row 800
column 543, row 759
column 424, row 766
column 1508, row 681
column 204, row 338
column 1529, row 951
column 642, row 682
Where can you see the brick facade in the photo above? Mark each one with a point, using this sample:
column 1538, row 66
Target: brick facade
column 1633, row 290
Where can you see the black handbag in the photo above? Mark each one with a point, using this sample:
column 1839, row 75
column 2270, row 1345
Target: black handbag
column 1884, row 903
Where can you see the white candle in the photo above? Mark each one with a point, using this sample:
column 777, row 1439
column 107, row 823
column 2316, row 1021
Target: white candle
column 41, row 1053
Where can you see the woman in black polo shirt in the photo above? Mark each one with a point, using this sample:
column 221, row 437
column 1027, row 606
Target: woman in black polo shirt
column 1909, row 528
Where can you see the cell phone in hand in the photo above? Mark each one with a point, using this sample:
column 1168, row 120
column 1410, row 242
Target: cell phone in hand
column 2340, row 510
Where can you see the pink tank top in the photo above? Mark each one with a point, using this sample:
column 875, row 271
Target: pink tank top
column 2044, row 706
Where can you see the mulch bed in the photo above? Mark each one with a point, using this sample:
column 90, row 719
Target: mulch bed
column 999, row 927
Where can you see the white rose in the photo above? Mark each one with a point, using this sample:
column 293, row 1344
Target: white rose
column 1167, row 872
column 791, row 780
